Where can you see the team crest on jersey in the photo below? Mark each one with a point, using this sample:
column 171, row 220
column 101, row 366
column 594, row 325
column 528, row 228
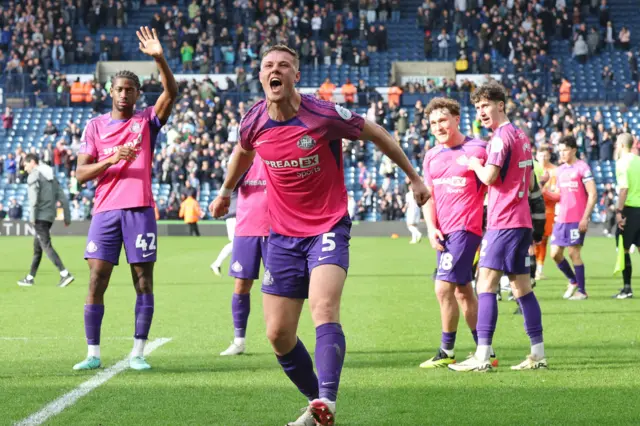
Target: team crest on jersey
column 306, row 142
column 236, row 267
column 92, row 247
column 135, row 127
column 463, row 160
column 343, row 112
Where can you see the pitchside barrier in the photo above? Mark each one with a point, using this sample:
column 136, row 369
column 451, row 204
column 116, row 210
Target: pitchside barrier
column 218, row 229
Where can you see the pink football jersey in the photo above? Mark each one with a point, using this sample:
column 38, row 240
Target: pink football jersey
column 303, row 157
column 252, row 214
column 126, row 184
column 571, row 181
column 508, row 206
column 457, row 192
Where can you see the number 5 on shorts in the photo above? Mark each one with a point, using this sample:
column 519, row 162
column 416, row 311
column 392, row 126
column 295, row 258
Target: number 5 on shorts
column 327, row 241
column 142, row 243
column 574, row 234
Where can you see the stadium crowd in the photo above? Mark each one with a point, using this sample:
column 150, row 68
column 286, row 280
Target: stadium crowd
column 204, row 126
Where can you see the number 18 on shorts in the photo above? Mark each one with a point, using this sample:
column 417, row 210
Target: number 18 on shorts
column 456, row 261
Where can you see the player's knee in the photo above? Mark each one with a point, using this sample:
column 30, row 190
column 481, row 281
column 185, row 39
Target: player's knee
column 281, row 338
column 144, row 284
column 98, row 282
column 444, row 292
column 463, row 295
column 325, row 310
column 574, row 254
column 243, row 286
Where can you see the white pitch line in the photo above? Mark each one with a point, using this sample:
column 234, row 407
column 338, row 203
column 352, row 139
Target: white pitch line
column 36, row 339
column 56, row 407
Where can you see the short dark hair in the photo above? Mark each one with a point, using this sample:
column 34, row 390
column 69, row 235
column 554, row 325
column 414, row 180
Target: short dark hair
column 286, row 49
column 569, row 142
column 31, row 157
column 491, row 91
column 126, row 74
column 443, row 103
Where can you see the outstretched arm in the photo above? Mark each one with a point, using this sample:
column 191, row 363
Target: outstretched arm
column 150, row 45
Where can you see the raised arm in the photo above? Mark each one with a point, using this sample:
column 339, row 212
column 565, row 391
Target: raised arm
column 150, row 45
column 383, row 140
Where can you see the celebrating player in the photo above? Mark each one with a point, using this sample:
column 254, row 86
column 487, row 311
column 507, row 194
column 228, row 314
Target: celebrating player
column 505, row 246
column 577, row 196
column 249, row 247
column 548, row 183
column 628, row 208
column 117, row 149
column 299, row 139
column 454, row 218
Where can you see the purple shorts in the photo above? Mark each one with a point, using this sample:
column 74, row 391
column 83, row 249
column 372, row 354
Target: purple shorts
column 291, row 260
column 567, row 235
column 246, row 256
column 455, row 263
column 136, row 228
column 506, row 250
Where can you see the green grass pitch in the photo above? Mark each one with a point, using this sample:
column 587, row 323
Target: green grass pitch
column 391, row 321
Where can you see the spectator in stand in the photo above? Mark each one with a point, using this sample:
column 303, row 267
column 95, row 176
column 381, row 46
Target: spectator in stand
column 15, row 210
column 7, row 120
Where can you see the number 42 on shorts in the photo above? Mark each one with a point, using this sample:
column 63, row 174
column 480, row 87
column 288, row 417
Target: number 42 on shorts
column 147, row 243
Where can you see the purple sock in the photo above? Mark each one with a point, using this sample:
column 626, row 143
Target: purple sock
column 92, row 322
column 487, row 318
column 298, row 367
column 330, row 352
column 474, row 333
column 138, row 304
column 532, row 317
column 240, row 308
column 580, row 278
column 448, row 340
column 144, row 316
column 567, row 271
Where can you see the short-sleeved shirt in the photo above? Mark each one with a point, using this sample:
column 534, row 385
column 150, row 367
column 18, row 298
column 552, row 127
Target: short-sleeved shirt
column 571, row 179
column 457, row 192
column 303, row 157
column 628, row 176
column 508, row 206
column 252, row 212
column 126, row 184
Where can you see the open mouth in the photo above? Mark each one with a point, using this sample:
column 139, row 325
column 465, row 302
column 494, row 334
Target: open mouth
column 275, row 84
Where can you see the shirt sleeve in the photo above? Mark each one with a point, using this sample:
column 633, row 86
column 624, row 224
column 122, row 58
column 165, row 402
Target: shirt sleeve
column 586, row 174
column 498, row 151
column 343, row 124
column 621, row 174
column 149, row 114
column 88, row 141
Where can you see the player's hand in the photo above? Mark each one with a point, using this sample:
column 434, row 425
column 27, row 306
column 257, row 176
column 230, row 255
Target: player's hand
column 126, row 153
column 622, row 221
column 583, row 225
column 149, row 42
column 420, row 192
column 474, row 162
column 220, row 206
column 435, row 236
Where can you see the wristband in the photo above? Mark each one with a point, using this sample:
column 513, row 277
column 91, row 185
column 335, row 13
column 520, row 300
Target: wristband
column 225, row 192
